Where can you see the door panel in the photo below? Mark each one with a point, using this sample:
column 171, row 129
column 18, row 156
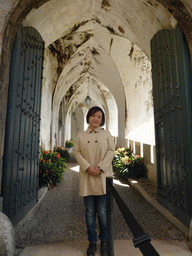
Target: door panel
column 20, row 166
column 171, row 73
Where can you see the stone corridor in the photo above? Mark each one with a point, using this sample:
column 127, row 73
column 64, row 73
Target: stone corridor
column 59, row 217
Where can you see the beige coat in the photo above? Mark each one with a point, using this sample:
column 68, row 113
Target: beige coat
column 94, row 148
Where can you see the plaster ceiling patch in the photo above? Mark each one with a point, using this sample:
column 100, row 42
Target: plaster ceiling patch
column 135, row 20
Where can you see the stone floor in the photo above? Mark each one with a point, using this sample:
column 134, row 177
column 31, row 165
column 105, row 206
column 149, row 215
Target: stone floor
column 59, row 217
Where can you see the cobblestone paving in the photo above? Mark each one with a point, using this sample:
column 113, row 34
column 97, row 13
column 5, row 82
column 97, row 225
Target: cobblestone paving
column 60, row 216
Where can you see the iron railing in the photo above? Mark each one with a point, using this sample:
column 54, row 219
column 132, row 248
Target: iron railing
column 141, row 239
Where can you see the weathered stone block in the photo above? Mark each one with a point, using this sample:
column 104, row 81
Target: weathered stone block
column 190, row 235
column 147, row 153
column 131, row 144
column 7, row 236
column 152, row 175
column 137, row 148
column 3, row 15
column 8, row 5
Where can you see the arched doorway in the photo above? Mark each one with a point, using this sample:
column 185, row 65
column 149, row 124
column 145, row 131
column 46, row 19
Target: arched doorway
column 136, row 36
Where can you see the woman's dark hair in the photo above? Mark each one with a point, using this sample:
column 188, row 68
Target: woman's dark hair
column 92, row 111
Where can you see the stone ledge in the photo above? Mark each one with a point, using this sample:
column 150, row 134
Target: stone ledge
column 41, row 195
column 168, row 215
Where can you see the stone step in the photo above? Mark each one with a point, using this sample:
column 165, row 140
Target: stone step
column 121, row 248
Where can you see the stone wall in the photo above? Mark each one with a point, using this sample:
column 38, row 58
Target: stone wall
column 48, row 84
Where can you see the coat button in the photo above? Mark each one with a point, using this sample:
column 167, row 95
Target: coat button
column 96, row 141
column 88, row 141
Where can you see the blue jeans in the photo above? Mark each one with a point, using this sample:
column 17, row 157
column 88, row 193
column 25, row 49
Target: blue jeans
column 93, row 205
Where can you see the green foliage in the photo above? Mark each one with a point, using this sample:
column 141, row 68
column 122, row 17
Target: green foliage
column 69, row 143
column 51, row 168
column 127, row 165
column 63, row 152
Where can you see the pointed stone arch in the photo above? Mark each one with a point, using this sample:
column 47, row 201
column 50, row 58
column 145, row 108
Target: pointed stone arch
column 103, row 99
column 101, row 67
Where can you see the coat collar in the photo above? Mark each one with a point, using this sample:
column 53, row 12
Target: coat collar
column 89, row 130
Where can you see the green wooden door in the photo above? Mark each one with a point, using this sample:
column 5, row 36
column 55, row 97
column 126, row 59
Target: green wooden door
column 20, row 166
column 172, row 84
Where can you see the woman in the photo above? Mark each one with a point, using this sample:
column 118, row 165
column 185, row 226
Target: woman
column 94, row 151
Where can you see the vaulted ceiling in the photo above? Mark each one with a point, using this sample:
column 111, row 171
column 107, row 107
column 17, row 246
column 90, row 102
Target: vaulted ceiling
column 96, row 39
column 136, row 20
column 81, row 34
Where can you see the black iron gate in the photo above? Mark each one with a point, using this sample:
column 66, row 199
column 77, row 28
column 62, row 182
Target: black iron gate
column 172, row 87
column 20, row 166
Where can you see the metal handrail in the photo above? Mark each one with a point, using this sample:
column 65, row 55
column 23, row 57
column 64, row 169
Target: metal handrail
column 141, row 239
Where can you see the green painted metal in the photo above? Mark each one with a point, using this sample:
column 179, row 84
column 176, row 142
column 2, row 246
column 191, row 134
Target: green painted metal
column 172, row 85
column 20, row 166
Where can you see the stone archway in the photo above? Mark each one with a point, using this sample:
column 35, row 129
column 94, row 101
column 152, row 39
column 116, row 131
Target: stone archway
column 105, row 74
column 15, row 13
column 101, row 97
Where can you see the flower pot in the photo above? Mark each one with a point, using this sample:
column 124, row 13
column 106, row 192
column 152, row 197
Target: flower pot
column 70, row 150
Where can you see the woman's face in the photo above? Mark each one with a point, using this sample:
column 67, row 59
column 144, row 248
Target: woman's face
column 95, row 120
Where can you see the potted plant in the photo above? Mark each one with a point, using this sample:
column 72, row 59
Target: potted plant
column 51, row 168
column 127, row 165
column 69, row 144
column 64, row 152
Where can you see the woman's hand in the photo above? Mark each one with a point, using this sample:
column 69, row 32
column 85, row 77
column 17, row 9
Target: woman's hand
column 93, row 171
